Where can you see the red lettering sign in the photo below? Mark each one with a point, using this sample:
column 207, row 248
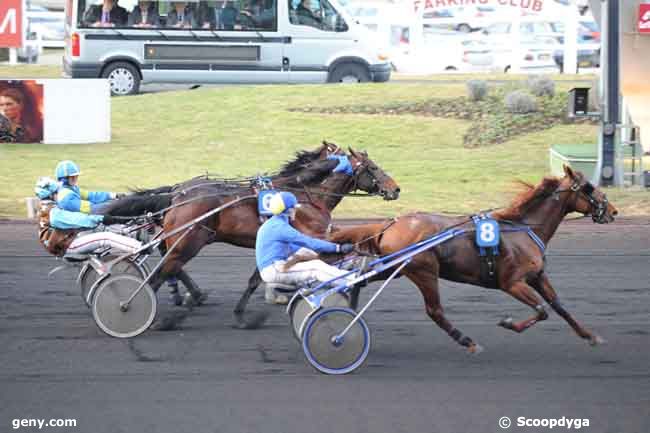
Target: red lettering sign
column 533, row 5
column 11, row 23
column 644, row 18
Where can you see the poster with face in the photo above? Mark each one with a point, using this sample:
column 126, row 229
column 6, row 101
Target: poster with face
column 21, row 111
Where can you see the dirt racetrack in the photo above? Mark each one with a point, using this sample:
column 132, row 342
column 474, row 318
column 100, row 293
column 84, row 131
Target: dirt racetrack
column 208, row 377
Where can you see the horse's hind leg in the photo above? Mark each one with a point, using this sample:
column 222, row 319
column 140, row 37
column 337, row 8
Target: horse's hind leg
column 524, row 293
column 427, row 282
column 547, row 292
column 253, row 320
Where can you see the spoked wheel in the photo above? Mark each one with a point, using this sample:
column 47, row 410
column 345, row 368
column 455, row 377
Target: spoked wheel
column 89, row 275
column 131, row 320
column 301, row 310
column 329, row 354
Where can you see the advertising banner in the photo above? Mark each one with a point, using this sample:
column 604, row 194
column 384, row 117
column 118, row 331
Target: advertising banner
column 11, row 23
column 644, row 18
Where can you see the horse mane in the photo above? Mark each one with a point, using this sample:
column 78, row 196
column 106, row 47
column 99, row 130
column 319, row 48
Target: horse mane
column 526, row 199
column 303, row 157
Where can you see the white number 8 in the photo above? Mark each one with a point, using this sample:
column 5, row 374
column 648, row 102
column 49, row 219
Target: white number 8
column 487, row 234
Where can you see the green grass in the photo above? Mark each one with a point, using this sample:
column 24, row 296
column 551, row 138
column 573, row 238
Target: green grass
column 167, row 137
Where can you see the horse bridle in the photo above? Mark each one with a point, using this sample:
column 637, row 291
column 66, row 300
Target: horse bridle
column 362, row 168
column 598, row 208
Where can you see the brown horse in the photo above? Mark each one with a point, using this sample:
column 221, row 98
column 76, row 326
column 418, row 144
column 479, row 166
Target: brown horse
column 520, row 260
column 309, row 177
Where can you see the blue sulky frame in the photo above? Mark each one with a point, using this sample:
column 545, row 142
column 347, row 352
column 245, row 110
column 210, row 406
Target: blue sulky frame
column 316, row 295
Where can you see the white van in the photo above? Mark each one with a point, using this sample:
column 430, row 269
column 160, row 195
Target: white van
column 222, row 41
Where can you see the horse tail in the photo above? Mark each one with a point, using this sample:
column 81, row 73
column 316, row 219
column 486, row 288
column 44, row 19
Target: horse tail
column 136, row 205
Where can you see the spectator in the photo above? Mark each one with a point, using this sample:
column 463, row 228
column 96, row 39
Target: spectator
column 145, row 14
column 108, row 14
column 181, row 16
column 229, row 16
column 206, row 16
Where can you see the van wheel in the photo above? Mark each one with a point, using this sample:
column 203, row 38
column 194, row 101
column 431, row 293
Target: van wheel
column 465, row 28
column 349, row 73
column 123, row 78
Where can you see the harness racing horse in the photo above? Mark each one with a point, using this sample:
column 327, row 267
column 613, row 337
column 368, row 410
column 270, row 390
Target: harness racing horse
column 535, row 213
column 309, row 177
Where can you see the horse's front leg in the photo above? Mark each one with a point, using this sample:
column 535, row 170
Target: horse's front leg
column 254, row 320
column 544, row 288
column 524, row 293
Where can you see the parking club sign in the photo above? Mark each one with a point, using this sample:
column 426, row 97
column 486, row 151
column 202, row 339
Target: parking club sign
column 11, row 23
column 644, row 18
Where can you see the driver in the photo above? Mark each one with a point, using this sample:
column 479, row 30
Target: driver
column 53, row 220
column 71, row 198
column 279, row 245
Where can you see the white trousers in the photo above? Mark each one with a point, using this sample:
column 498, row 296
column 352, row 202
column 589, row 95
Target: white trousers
column 301, row 272
column 87, row 243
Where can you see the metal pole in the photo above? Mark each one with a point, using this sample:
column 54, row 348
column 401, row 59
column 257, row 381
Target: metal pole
column 611, row 112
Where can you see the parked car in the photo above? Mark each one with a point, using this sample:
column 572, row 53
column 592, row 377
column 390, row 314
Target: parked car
column 536, row 55
column 450, row 53
column 463, row 19
column 50, row 26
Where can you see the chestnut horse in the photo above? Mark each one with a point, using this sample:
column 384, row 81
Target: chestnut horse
column 520, row 262
column 309, row 177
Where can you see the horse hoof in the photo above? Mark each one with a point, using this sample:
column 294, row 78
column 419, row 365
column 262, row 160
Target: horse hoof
column 506, row 323
column 475, row 349
column 596, row 340
column 250, row 320
column 177, row 299
column 194, row 301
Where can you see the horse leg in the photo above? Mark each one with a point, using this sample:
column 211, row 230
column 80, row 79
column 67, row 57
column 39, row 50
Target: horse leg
column 254, row 320
column 524, row 293
column 427, row 282
column 172, row 282
column 544, row 288
column 194, row 295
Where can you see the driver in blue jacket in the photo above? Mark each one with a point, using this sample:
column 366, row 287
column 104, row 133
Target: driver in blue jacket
column 278, row 243
column 71, row 198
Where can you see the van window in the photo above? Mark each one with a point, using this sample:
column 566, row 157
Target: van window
column 316, row 13
column 228, row 15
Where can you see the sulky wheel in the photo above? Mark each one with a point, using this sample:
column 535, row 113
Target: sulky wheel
column 328, row 354
column 301, row 310
column 89, row 276
column 123, row 322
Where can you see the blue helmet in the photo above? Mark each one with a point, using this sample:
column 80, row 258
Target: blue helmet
column 45, row 188
column 66, row 168
column 283, row 201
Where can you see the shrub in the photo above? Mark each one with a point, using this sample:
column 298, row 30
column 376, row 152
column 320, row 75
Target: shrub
column 541, row 86
column 520, row 102
column 477, row 90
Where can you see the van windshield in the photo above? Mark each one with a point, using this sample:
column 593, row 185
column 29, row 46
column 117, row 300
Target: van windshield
column 230, row 15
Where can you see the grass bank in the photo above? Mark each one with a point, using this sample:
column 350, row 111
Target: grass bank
column 168, row 137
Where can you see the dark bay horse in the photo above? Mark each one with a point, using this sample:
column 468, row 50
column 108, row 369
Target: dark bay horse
column 520, row 263
column 309, row 177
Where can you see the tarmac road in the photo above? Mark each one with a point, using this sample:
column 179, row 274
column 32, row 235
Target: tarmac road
column 208, row 377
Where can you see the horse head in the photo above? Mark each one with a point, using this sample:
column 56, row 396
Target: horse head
column 369, row 177
column 585, row 198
